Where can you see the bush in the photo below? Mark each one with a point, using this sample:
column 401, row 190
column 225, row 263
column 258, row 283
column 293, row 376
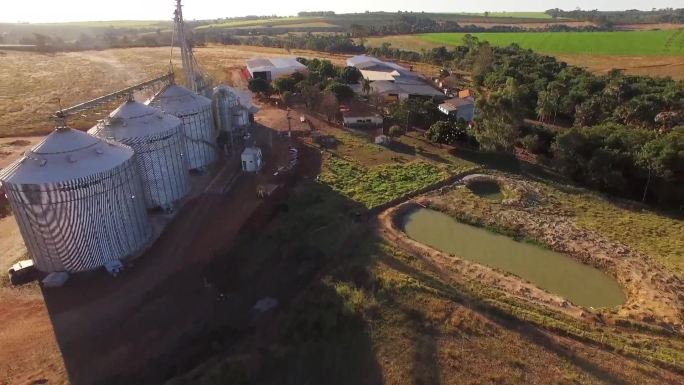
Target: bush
column 286, row 97
column 259, row 86
column 342, row 91
column 395, row 131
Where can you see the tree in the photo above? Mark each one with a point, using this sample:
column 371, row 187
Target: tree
column 366, row 86
column 329, row 105
column 377, row 100
column 311, row 95
column 495, row 134
column 259, row 86
column 395, row 131
column 482, row 64
column 342, row 91
column 350, row 75
column 286, row 97
column 285, row 83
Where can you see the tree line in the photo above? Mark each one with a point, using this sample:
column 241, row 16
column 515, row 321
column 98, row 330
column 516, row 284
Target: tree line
column 632, row 16
column 617, row 133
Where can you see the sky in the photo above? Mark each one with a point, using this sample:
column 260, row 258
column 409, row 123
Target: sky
column 36, row 11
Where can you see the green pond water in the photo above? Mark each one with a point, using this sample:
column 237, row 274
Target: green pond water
column 487, row 190
column 551, row 271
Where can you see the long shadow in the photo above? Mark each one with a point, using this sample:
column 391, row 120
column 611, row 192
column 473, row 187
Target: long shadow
column 528, row 332
column 402, row 148
column 493, row 160
column 191, row 298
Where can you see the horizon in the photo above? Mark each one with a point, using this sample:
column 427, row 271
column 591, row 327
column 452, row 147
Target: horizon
column 72, row 11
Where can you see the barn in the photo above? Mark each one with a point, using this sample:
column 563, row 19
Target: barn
column 273, row 68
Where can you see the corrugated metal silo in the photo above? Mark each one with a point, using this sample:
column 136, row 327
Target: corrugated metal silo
column 78, row 201
column 159, row 145
column 225, row 102
column 198, row 123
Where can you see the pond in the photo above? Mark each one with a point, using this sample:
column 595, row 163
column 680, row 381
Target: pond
column 554, row 272
column 486, row 189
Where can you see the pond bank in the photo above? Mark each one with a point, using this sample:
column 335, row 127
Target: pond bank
column 652, row 292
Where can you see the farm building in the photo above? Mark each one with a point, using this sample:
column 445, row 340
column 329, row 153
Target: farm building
column 460, row 108
column 393, row 91
column 273, row 68
column 375, row 69
column 392, row 80
column 358, row 114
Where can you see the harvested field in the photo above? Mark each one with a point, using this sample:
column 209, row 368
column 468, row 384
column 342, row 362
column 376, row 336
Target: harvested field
column 28, row 98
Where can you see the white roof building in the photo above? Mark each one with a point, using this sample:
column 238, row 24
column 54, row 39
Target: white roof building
column 273, row 68
column 463, row 108
column 392, row 80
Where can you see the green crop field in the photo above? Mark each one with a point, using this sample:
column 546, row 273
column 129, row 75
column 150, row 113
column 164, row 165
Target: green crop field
column 634, row 43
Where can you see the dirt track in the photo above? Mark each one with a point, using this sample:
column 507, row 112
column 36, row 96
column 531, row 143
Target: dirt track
column 125, row 321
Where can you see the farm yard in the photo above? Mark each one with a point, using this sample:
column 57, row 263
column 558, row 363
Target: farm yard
column 355, row 304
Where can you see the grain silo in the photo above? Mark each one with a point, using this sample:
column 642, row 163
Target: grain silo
column 225, row 102
column 159, row 145
column 78, row 201
column 198, row 123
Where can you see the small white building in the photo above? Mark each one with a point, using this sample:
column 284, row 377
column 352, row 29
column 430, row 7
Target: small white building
column 463, row 108
column 358, row 114
column 273, row 68
column 252, row 159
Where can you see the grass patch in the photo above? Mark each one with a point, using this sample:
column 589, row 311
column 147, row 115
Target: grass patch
column 652, row 233
column 376, row 185
column 637, row 43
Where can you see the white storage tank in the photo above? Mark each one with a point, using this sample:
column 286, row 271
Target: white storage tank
column 198, row 123
column 252, row 159
column 225, row 102
column 78, row 201
column 159, row 145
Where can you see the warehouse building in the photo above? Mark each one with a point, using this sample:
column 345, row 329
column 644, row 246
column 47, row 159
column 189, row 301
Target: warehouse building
column 459, row 108
column 392, row 80
column 273, row 68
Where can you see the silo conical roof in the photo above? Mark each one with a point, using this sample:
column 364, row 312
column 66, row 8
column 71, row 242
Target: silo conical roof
column 134, row 119
column 63, row 155
column 176, row 100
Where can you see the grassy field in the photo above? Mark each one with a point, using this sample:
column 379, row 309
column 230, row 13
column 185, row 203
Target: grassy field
column 642, row 43
column 662, row 65
column 371, row 175
column 375, row 314
column 652, row 233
